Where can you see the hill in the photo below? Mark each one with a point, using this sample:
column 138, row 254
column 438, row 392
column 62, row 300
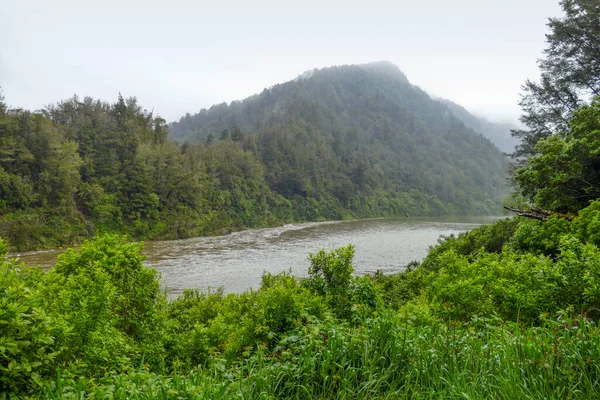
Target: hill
column 359, row 132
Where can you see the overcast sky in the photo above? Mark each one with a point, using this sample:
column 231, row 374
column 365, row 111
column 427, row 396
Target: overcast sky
column 180, row 56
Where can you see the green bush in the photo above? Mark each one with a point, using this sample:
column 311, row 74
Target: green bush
column 487, row 238
column 136, row 288
column 587, row 225
column 516, row 286
column 330, row 276
column 540, row 237
column 398, row 289
column 29, row 349
column 99, row 319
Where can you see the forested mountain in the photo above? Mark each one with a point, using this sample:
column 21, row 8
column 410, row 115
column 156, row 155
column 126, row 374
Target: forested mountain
column 498, row 133
column 352, row 131
column 344, row 142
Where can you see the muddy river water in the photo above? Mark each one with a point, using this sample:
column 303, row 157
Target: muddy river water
column 237, row 261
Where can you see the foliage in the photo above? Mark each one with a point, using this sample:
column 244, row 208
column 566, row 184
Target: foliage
column 587, row 225
column 540, row 237
column 570, row 73
column 487, row 238
column 330, row 276
column 517, row 269
column 28, row 345
column 84, row 166
column 386, row 359
column 565, row 175
column 483, row 301
column 98, row 310
column 514, row 286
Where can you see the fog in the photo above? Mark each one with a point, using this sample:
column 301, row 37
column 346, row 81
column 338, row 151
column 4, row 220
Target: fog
column 182, row 55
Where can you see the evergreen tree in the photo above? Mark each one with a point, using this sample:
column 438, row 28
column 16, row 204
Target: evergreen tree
column 236, row 134
column 570, row 74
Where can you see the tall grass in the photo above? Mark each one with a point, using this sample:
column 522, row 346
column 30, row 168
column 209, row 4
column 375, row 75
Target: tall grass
column 387, row 359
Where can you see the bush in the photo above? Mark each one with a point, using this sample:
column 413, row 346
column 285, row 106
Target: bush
column 330, row 276
column 486, row 238
column 398, row 289
column 136, row 288
column 540, row 237
column 587, row 224
column 29, row 349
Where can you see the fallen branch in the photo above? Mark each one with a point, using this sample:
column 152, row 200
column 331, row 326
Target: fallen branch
column 540, row 215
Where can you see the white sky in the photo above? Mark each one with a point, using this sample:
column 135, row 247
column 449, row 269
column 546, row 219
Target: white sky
column 180, row 56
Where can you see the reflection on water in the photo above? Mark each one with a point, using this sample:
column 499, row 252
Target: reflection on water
column 237, row 261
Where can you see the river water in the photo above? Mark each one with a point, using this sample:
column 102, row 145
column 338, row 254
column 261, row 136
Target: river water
column 237, row 261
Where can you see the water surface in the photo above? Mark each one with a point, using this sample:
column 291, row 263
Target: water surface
column 237, row 261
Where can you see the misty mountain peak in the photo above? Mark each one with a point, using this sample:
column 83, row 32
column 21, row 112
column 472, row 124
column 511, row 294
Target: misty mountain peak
column 305, row 75
column 387, row 68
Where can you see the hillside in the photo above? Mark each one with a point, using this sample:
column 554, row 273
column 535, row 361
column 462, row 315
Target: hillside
column 352, row 131
column 498, row 133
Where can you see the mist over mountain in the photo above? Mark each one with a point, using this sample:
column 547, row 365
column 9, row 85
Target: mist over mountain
column 498, row 133
column 360, row 134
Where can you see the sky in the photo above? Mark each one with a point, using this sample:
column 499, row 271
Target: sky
column 180, row 56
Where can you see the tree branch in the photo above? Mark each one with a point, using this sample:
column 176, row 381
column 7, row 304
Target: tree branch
column 540, row 215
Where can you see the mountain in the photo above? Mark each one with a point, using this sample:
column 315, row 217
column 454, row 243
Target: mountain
column 360, row 138
column 498, row 133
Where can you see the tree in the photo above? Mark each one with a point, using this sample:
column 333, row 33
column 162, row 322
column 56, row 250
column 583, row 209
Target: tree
column 570, row 74
column 3, row 107
column 565, row 175
column 236, row 134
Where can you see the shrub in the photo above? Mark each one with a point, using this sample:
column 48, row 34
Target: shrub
column 540, row 237
column 587, row 225
column 136, row 288
column 330, row 275
column 29, row 350
column 487, row 238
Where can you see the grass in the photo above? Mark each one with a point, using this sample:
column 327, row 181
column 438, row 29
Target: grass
column 386, row 359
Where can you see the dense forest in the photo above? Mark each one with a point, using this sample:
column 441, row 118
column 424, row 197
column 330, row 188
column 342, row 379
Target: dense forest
column 509, row 310
column 345, row 142
column 84, row 166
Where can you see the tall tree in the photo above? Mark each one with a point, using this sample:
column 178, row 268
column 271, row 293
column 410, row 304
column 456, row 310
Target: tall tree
column 570, row 74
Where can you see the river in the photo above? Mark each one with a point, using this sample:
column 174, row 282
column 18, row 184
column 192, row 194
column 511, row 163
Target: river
column 237, row 261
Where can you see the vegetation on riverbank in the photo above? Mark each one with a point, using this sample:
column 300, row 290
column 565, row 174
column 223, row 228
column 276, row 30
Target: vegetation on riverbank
column 506, row 310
